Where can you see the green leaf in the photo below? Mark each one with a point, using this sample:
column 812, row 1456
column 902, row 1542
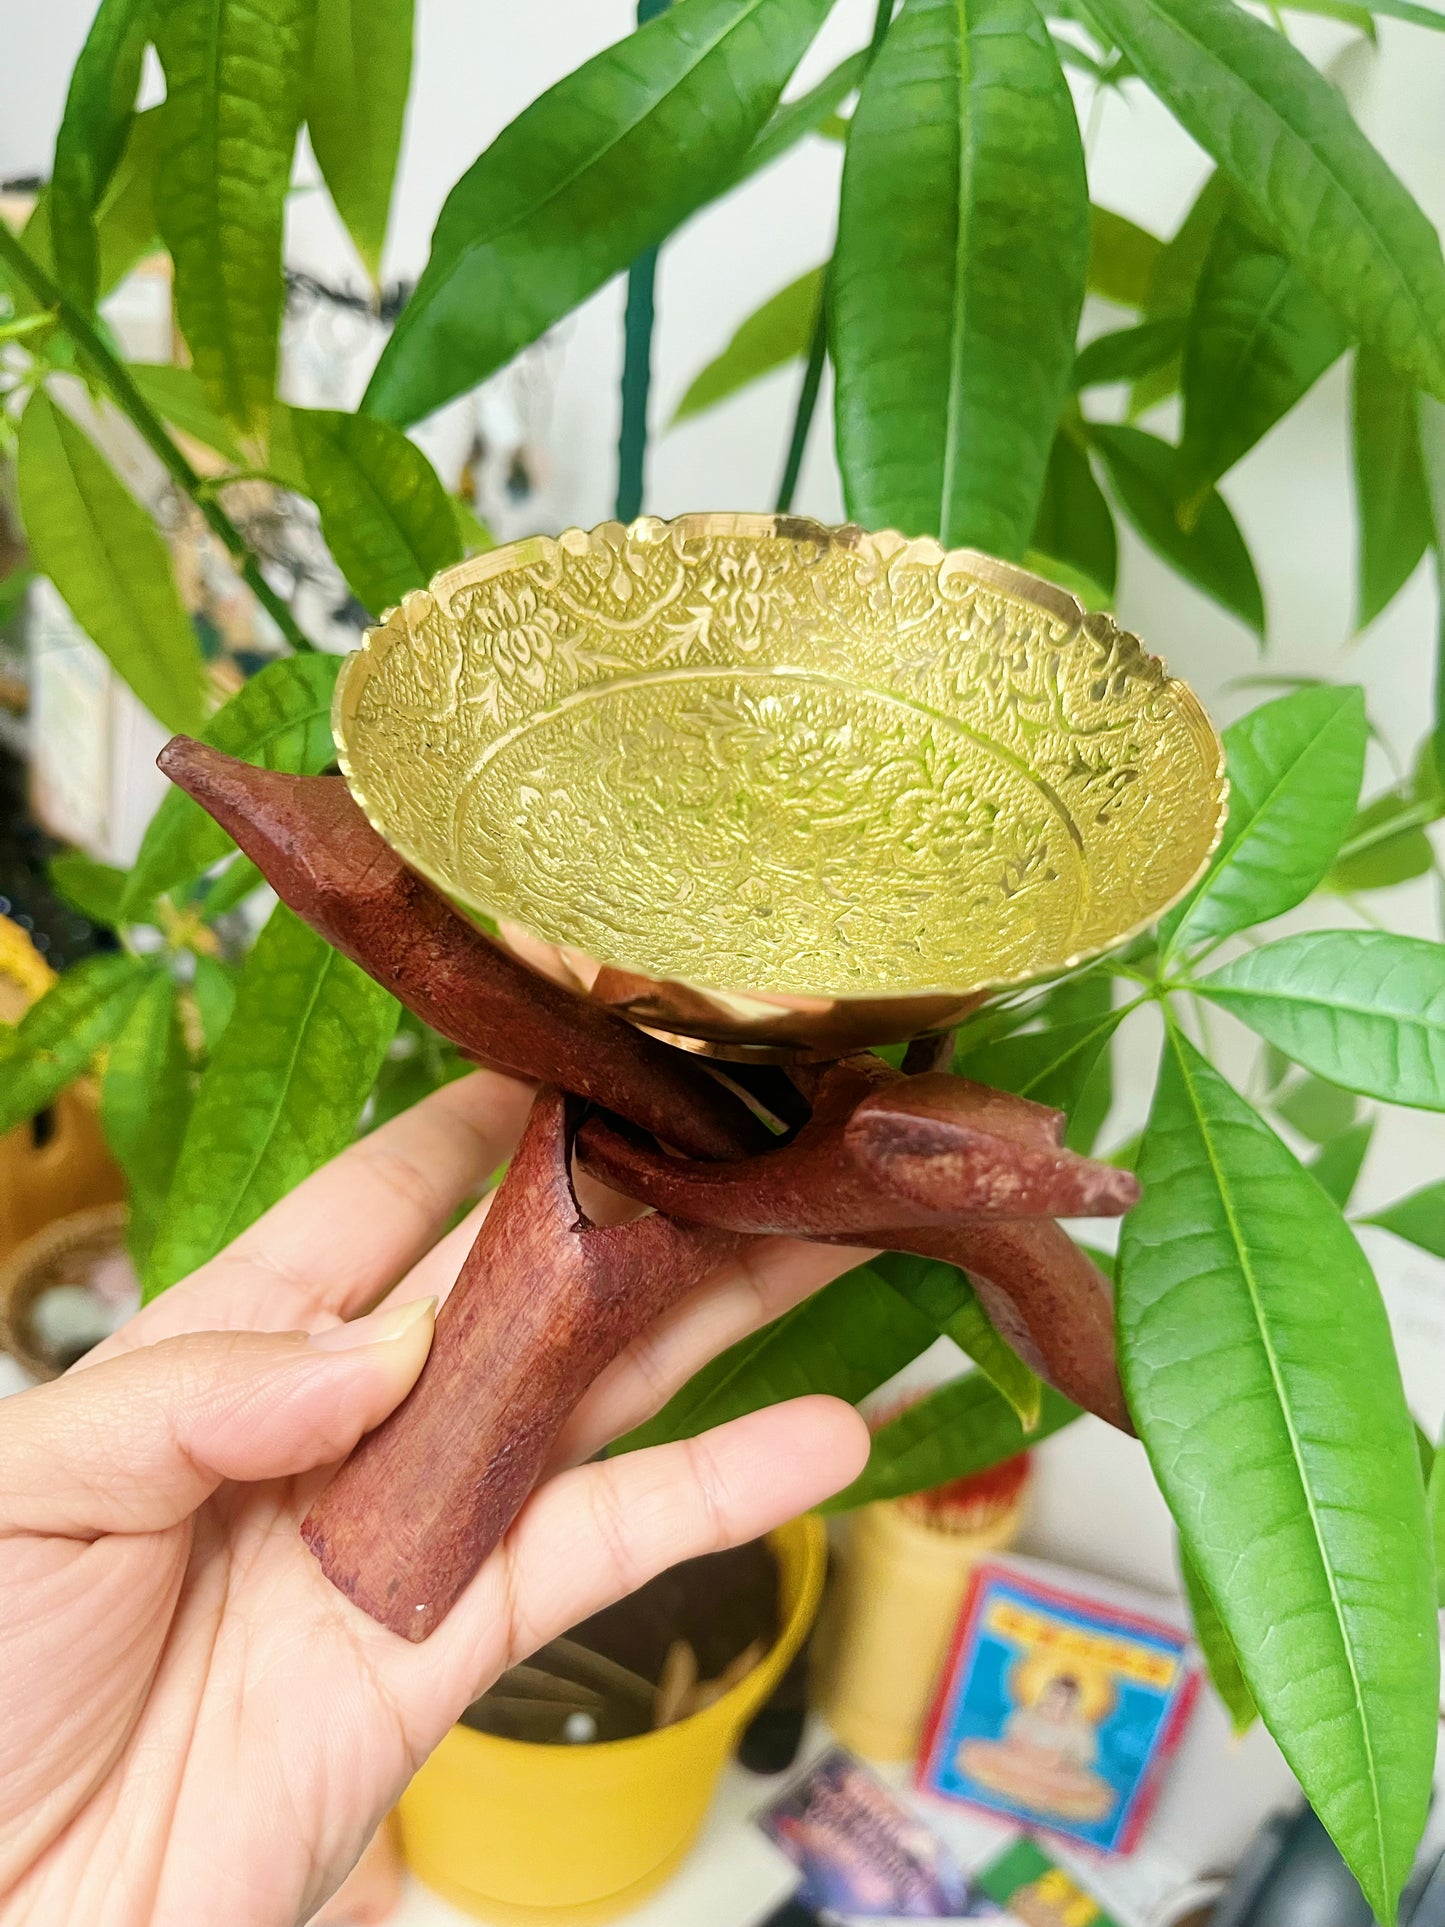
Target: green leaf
column 1108, row 72
column 94, row 888
column 1126, row 1155
column 1364, row 1008
column 1211, row 552
column 355, row 103
column 963, row 247
column 281, row 1095
column 417, row 1063
column 93, row 130
column 283, row 455
column 1391, row 499
column 962, row 1429
column 1092, row 1106
column 125, row 221
column 178, row 397
column 145, row 1102
column 1180, row 260
column 1053, row 1063
column 1349, row 15
column 1294, row 153
column 1122, row 257
column 1416, row 16
column 1336, row 1169
column 386, row 518
column 234, row 884
column 13, row 591
column 1259, row 338
column 236, row 73
column 1072, row 55
column 1087, row 592
column 1316, row 1109
column 280, row 719
column 126, row 226
column 107, row 559
column 1075, row 524
column 805, row 115
column 942, row 1294
column 1295, row 766
column 1401, row 858
column 1435, row 1497
column 1432, row 450
column 1107, row 1261
column 776, row 333
column 1174, row 284
column 214, row 989
column 1419, row 1218
column 476, row 538
column 1261, row 1374
column 1219, row 1654
column 1386, row 843
column 601, row 167
column 60, row 1033
column 845, row 1340
column 1129, row 353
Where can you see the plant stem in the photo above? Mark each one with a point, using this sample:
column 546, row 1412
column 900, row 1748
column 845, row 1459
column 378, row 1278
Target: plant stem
column 807, row 400
column 115, row 378
column 818, row 347
column 637, row 356
column 636, row 385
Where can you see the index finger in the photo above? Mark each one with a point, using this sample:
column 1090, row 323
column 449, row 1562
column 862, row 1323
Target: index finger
column 347, row 1233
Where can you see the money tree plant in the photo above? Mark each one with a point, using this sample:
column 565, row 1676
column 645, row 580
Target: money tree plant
column 1253, row 1345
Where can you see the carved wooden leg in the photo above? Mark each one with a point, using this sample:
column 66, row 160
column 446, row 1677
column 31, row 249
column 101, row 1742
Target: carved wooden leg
column 544, row 1301
column 1046, row 1297
column 930, row 1164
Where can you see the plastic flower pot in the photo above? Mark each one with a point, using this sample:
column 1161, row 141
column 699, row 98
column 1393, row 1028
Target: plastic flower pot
column 578, row 1834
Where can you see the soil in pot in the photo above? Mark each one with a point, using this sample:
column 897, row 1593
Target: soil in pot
column 669, row 1649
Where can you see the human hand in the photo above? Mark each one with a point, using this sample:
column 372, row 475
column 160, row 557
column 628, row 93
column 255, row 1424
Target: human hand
column 194, row 1725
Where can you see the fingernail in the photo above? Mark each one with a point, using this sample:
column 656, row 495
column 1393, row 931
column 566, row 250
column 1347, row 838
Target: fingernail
column 377, row 1328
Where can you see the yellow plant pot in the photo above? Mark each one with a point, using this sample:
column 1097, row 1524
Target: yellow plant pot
column 46, row 1174
column 578, row 1834
column 901, row 1585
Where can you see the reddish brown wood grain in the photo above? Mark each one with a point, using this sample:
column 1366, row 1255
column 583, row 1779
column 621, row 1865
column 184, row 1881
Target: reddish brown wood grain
column 930, row 1164
column 1044, row 1295
column 318, row 852
column 544, row 1301
column 879, row 1150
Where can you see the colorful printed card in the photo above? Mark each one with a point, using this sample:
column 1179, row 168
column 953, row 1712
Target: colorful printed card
column 1038, row 1893
column 861, row 1852
column 1057, row 1709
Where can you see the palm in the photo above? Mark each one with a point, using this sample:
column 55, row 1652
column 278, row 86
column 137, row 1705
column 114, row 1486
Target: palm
column 291, row 1727
column 207, row 1698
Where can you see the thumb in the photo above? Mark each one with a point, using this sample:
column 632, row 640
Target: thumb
column 137, row 1443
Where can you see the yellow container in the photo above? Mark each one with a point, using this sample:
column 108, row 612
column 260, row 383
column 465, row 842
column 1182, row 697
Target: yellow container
column 43, row 1177
column 515, row 1833
column 901, row 1585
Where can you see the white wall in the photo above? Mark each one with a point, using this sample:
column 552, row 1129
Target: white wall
column 477, row 64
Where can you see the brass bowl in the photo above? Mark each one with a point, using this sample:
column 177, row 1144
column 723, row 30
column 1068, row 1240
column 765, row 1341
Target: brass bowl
column 768, row 787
